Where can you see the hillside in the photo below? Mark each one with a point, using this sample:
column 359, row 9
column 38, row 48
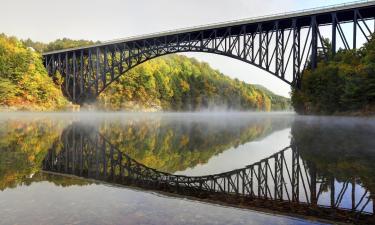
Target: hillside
column 24, row 82
column 179, row 83
column 278, row 102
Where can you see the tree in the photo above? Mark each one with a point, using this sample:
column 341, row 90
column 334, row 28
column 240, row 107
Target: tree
column 180, row 83
column 343, row 83
column 24, row 82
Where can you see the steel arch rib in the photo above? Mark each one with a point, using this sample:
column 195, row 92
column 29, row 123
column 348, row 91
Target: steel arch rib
column 274, row 44
column 203, row 50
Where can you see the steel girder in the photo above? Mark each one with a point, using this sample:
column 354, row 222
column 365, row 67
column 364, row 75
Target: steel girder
column 283, row 47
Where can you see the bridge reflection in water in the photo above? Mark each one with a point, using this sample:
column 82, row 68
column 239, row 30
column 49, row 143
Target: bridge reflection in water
column 283, row 182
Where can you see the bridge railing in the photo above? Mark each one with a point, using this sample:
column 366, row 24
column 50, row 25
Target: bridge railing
column 223, row 23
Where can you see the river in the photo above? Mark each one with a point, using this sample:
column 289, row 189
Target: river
column 185, row 168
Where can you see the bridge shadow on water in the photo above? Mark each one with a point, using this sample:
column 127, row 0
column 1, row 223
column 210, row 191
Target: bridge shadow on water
column 285, row 182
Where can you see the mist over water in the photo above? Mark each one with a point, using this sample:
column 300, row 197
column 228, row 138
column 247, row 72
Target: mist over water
column 191, row 144
column 219, row 141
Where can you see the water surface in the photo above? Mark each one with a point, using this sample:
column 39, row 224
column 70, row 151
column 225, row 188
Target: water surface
column 327, row 161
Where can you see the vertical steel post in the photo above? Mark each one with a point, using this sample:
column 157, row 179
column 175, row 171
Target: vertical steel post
column 313, row 177
column 243, row 181
column 59, row 67
column 81, row 73
column 332, row 183
column 355, row 23
column 97, row 71
column 281, row 189
column 244, row 43
column 239, row 41
column 104, row 70
column 296, row 52
column 66, row 73
column 90, row 76
column 282, row 53
column 353, row 195
column 373, row 206
column 74, row 76
column 267, row 50
column 266, row 179
column 46, row 62
column 314, row 42
column 295, row 175
column 260, row 44
column 252, row 47
column 112, row 65
column 259, row 180
column 225, row 41
column 251, row 181
column 334, row 33
column 277, row 48
column 53, row 69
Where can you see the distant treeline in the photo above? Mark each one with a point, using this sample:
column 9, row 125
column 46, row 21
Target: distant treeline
column 343, row 84
column 173, row 82
column 58, row 44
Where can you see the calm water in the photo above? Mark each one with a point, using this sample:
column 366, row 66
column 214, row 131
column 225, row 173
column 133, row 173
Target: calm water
column 320, row 167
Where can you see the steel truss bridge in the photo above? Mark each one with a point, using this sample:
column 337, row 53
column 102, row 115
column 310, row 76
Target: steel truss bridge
column 283, row 45
column 283, row 182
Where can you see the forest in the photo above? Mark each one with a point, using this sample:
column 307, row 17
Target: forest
column 341, row 84
column 24, row 82
column 172, row 83
column 179, row 83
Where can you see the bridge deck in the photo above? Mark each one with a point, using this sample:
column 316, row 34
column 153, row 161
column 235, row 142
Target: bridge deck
column 323, row 12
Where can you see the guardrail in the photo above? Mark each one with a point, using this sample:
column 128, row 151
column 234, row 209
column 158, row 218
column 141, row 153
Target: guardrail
column 245, row 19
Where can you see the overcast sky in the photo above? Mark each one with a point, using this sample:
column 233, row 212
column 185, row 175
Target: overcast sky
column 47, row 20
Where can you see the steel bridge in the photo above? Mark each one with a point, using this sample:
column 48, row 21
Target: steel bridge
column 283, row 45
column 283, row 182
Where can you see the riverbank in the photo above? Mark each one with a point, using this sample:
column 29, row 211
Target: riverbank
column 343, row 84
column 36, row 108
column 368, row 111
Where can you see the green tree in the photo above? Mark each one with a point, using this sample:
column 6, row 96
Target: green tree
column 24, row 82
column 180, row 83
column 344, row 83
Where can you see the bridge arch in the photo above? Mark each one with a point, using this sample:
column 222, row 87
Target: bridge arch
column 283, row 45
column 195, row 50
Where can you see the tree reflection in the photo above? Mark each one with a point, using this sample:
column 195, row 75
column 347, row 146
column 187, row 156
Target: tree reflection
column 161, row 143
column 23, row 146
column 292, row 180
column 342, row 148
column 175, row 145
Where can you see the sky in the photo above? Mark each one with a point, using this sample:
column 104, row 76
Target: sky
column 103, row 20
